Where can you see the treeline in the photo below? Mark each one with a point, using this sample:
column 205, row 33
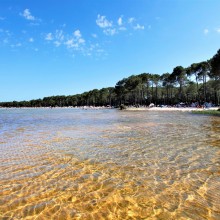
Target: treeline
column 200, row 82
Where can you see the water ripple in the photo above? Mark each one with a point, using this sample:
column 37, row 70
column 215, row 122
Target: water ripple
column 108, row 164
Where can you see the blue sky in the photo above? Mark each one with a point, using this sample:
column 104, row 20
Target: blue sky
column 66, row 47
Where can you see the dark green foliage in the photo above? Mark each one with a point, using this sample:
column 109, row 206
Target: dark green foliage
column 215, row 66
column 122, row 107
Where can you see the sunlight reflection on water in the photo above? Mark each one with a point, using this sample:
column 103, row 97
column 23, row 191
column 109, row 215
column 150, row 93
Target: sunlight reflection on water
column 108, row 164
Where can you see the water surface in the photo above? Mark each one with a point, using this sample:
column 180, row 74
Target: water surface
column 108, row 164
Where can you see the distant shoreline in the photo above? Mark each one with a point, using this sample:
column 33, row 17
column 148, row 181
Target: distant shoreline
column 163, row 109
column 65, row 107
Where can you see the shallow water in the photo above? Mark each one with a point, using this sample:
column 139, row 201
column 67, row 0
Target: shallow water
column 108, row 164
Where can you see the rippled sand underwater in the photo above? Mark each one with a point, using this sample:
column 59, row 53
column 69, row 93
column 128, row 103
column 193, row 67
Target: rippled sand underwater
column 108, row 164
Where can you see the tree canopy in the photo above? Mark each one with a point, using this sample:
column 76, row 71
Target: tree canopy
column 199, row 82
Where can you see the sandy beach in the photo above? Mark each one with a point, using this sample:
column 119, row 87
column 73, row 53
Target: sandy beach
column 186, row 109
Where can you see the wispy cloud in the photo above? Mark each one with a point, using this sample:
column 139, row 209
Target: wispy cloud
column 2, row 18
column 77, row 34
column 95, row 49
column 5, row 36
column 121, row 24
column 16, row 45
column 81, row 41
column 94, row 35
column 131, row 20
column 120, row 21
column 110, row 31
column 70, row 41
column 122, row 28
column 71, row 44
column 5, row 41
column 218, row 30
column 75, row 41
column 5, row 32
column 106, row 25
column 110, row 28
column 102, row 22
column 59, row 35
column 57, row 43
column 27, row 15
column 49, row 37
column 34, row 21
column 138, row 27
column 206, row 31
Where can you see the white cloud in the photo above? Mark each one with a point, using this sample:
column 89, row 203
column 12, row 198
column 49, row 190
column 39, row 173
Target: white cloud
column 94, row 35
column 27, row 15
column 59, row 35
column 5, row 32
column 5, row 41
column 131, row 20
column 206, row 31
column 71, row 43
column 102, row 22
column 95, row 49
column 49, row 37
column 77, row 34
column 57, row 43
column 110, row 31
column 122, row 25
column 120, row 21
column 76, row 41
column 31, row 40
column 218, row 30
column 5, row 36
column 139, row 27
column 122, row 28
column 81, row 41
column 100, row 51
column 16, row 45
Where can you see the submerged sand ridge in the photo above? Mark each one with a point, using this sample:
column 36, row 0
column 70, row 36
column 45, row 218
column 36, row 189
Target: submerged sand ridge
column 110, row 165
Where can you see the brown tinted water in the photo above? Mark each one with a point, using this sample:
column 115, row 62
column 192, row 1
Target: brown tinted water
column 108, row 164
